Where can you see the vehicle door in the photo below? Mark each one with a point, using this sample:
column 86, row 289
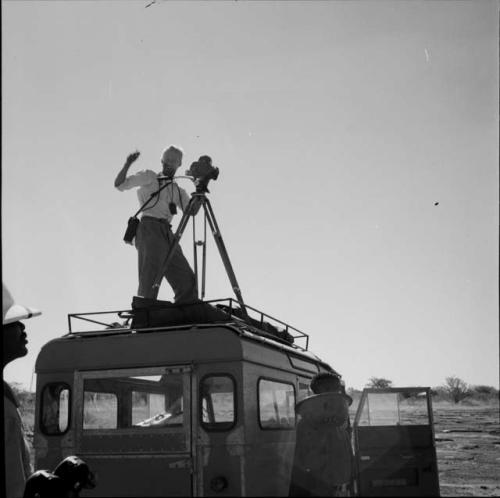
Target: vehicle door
column 395, row 453
column 133, row 428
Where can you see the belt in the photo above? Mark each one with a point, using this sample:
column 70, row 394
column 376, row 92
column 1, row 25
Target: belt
column 164, row 221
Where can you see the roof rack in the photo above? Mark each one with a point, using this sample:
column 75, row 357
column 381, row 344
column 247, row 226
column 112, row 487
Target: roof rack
column 261, row 323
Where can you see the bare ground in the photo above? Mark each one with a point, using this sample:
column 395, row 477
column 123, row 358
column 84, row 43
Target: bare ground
column 468, row 449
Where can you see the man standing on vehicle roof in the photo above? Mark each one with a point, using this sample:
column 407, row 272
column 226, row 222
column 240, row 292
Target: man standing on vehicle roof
column 17, row 459
column 154, row 234
column 322, row 463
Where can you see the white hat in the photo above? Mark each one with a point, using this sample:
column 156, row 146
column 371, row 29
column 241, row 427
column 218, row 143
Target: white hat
column 12, row 312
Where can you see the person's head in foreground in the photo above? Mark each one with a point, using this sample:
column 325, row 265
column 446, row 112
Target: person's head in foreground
column 326, row 382
column 14, row 337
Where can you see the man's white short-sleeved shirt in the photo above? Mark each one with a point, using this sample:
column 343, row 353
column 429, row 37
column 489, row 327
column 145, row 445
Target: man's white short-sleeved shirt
column 148, row 183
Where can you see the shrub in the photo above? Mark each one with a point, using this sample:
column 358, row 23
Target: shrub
column 456, row 389
column 488, row 390
column 379, row 383
column 485, row 394
column 26, row 398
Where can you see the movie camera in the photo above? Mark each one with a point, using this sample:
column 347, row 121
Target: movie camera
column 202, row 171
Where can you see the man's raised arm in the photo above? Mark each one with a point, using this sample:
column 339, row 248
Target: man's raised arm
column 122, row 175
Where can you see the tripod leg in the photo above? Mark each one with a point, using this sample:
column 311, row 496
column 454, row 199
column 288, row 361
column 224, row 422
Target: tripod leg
column 195, row 253
column 223, row 253
column 204, row 258
column 175, row 243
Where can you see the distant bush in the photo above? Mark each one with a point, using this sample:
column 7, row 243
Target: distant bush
column 489, row 390
column 26, row 398
column 379, row 383
column 475, row 395
column 439, row 393
column 456, row 388
column 484, row 393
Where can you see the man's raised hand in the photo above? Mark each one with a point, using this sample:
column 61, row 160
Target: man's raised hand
column 132, row 157
column 122, row 174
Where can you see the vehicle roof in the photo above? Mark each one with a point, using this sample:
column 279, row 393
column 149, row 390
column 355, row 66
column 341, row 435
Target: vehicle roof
column 194, row 343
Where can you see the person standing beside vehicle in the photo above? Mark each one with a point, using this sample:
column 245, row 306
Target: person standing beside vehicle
column 14, row 339
column 322, row 463
column 154, row 234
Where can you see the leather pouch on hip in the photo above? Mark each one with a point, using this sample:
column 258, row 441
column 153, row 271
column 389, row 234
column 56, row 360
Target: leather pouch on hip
column 133, row 223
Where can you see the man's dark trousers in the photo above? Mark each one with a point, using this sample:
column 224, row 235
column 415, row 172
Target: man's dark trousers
column 153, row 241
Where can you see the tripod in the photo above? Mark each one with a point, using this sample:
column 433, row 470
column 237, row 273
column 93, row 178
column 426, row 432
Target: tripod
column 197, row 198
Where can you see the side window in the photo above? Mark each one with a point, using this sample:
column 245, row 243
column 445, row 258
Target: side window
column 217, row 402
column 393, row 408
column 276, row 404
column 55, row 408
column 147, row 401
column 100, row 410
column 146, row 405
column 304, row 389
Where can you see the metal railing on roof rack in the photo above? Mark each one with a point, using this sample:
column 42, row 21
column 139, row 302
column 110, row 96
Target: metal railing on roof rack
column 288, row 329
column 232, row 309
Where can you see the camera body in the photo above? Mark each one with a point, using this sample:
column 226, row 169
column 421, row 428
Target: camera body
column 203, row 171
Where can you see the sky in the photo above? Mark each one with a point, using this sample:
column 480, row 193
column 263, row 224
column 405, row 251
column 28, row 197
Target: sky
column 357, row 144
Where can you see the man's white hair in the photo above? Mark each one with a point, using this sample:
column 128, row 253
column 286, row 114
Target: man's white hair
column 171, row 149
